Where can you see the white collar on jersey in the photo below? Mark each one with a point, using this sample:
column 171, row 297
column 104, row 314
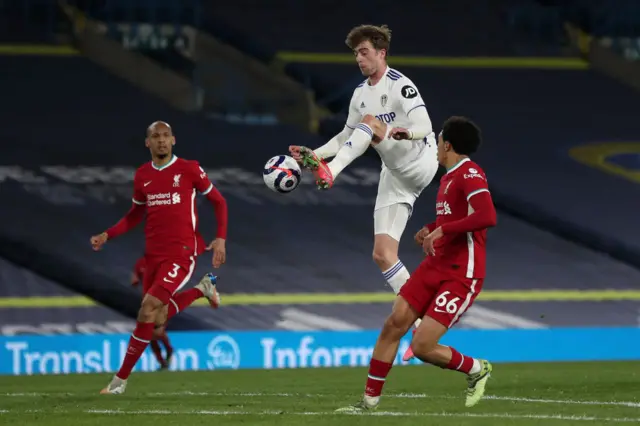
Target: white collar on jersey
column 386, row 71
column 460, row 163
column 173, row 160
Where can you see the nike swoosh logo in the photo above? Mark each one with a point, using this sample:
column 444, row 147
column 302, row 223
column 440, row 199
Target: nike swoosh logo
column 147, row 183
column 167, row 281
column 440, row 310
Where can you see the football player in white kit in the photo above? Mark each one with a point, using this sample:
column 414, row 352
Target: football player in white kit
column 388, row 113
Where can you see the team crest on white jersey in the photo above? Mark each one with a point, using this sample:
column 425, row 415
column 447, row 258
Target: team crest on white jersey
column 383, row 100
column 176, row 180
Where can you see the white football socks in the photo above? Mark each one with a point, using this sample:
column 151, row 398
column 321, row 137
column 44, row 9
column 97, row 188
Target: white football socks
column 396, row 276
column 477, row 367
column 353, row 148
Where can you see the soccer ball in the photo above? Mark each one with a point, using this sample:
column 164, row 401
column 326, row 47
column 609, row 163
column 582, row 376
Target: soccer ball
column 281, row 174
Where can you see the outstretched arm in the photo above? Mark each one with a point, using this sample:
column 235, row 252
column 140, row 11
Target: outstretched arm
column 132, row 219
column 203, row 184
column 220, row 209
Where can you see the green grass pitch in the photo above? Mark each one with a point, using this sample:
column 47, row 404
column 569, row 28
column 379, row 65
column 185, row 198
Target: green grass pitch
column 517, row 394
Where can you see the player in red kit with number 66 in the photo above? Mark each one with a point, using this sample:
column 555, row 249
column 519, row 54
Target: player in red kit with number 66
column 165, row 189
column 446, row 283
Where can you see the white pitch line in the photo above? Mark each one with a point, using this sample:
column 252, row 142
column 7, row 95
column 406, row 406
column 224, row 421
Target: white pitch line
column 276, row 394
column 631, row 404
column 564, row 401
column 375, row 413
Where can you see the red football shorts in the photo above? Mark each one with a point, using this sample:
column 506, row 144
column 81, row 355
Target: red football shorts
column 443, row 297
column 165, row 276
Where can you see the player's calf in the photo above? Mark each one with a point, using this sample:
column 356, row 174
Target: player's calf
column 140, row 338
column 426, row 348
column 157, row 352
column 385, row 250
column 384, row 353
column 426, row 338
column 168, row 348
column 369, row 130
column 158, row 331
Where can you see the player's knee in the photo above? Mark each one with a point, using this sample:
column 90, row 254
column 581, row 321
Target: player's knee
column 161, row 318
column 158, row 331
column 398, row 323
column 384, row 257
column 391, row 329
column 426, row 338
column 149, row 309
column 422, row 348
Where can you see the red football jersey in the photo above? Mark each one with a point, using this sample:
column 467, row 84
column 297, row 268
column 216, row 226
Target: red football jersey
column 169, row 193
column 460, row 254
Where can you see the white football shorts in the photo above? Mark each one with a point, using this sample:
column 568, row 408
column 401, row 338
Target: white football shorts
column 405, row 184
column 391, row 220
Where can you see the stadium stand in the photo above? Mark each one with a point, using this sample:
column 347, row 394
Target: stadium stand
column 72, row 167
column 28, row 307
column 481, row 32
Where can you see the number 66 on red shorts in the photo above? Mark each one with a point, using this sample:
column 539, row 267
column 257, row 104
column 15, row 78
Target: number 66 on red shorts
column 441, row 296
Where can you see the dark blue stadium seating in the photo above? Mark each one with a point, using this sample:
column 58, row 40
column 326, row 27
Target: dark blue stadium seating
column 22, row 285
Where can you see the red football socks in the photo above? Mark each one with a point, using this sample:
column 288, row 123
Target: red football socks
column 182, row 300
column 459, row 362
column 155, row 347
column 378, row 372
column 165, row 341
column 138, row 342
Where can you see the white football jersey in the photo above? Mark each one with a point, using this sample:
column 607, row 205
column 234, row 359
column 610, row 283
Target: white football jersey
column 390, row 100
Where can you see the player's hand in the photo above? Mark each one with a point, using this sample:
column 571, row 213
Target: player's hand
column 427, row 244
column 420, row 235
column 97, row 241
column 399, row 133
column 294, row 150
column 219, row 252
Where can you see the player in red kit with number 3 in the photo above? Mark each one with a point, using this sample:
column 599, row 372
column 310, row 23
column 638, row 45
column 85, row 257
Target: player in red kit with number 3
column 165, row 189
column 160, row 334
column 446, row 283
